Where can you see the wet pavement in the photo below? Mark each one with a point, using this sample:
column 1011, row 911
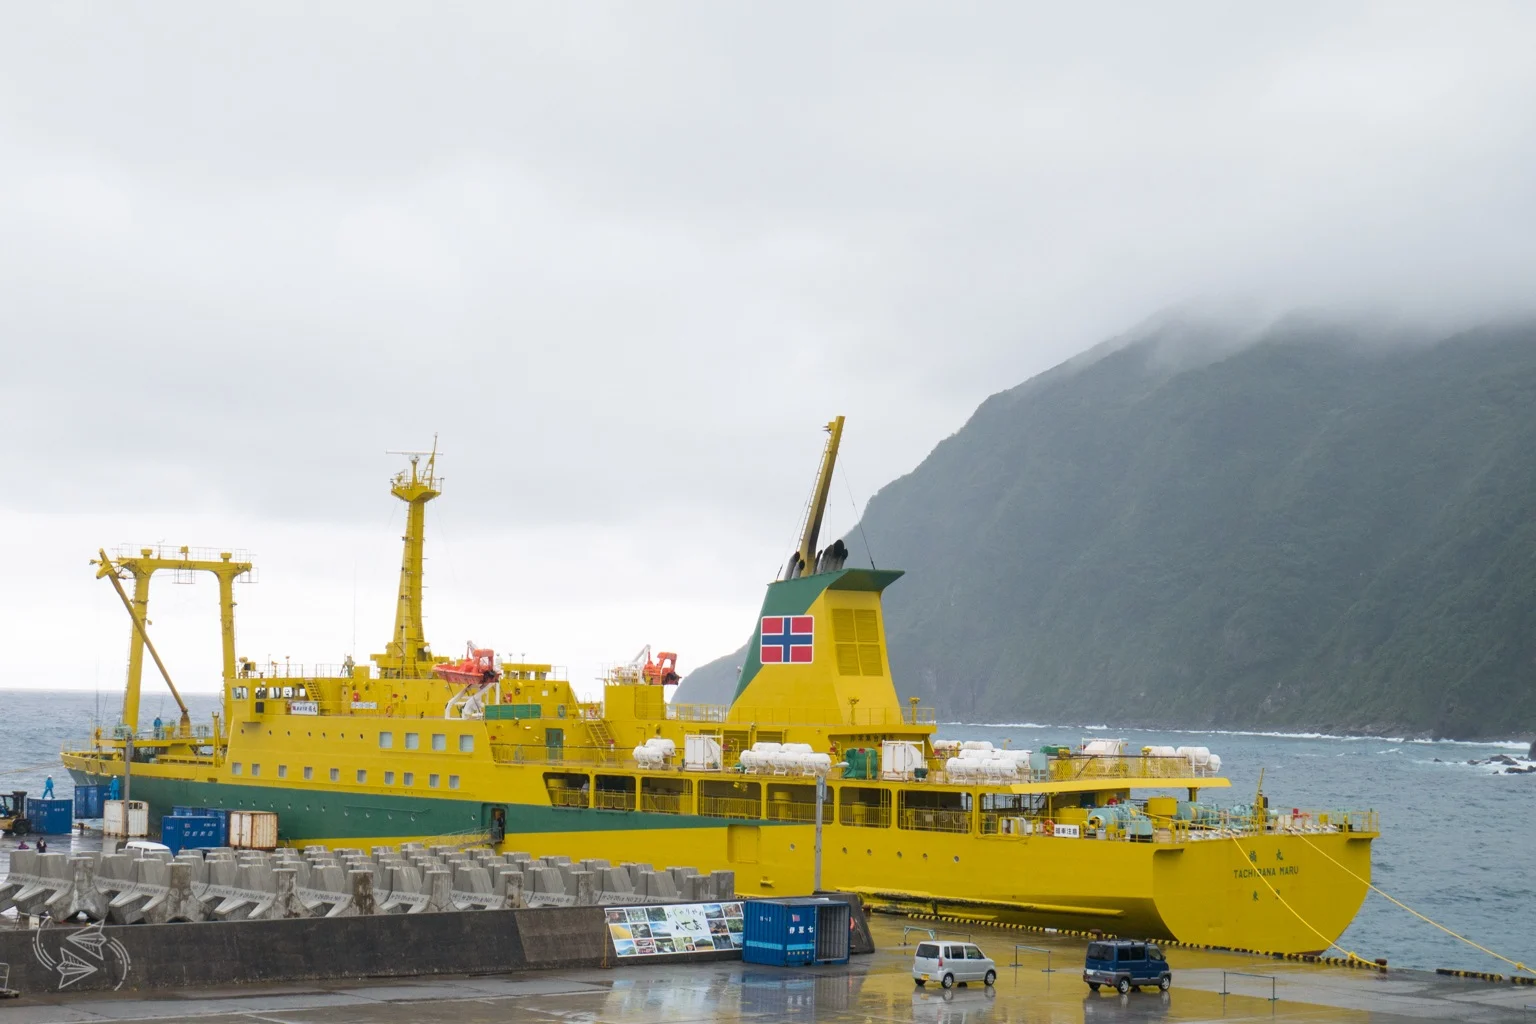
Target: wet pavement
column 874, row 989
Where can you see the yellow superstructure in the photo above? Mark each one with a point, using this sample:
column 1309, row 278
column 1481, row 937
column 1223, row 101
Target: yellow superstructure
column 1088, row 836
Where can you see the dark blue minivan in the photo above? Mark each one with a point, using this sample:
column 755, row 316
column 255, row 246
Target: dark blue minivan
column 1126, row 965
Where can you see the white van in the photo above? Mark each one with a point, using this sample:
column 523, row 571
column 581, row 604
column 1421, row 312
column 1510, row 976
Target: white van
column 951, row 962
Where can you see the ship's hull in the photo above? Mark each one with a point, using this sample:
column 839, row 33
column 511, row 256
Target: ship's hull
column 1210, row 892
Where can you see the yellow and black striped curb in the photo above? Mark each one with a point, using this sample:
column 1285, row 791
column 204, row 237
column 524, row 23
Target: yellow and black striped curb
column 1479, row 975
column 1330, row 961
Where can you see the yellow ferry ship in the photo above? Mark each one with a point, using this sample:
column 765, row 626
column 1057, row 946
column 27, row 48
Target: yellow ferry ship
column 1092, row 836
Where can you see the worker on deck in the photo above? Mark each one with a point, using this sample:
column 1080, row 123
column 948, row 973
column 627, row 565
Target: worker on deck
column 48, row 788
column 158, row 726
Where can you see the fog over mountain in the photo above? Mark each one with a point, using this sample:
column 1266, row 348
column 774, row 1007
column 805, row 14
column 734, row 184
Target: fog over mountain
column 623, row 260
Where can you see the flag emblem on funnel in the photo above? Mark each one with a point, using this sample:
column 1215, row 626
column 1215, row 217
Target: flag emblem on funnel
column 787, row 639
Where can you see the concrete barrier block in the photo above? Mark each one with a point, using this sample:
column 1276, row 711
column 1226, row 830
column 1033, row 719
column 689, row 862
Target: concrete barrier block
column 362, row 893
column 696, row 889
column 179, row 902
column 438, row 885
column 657, row 887
column 583, row 888
column 635, row 871
column 23, row 873
column 81, row 898
column 679, row 874
column 511, row 888
column 722, row 884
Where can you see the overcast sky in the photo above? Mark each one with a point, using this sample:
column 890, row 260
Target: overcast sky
column 625, row 259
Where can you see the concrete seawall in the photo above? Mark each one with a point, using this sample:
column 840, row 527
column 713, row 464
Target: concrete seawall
column 61, row 959
column 133, row 957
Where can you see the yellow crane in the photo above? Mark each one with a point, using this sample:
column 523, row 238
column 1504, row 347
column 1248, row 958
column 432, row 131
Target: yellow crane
column 141, row 567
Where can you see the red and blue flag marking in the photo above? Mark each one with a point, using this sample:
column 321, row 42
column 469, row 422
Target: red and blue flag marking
column 787, row 639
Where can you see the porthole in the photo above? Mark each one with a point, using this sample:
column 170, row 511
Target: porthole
column 957, row 858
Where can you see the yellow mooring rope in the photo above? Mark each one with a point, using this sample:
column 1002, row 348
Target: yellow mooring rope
column 1327, row 942
column 1498, row 956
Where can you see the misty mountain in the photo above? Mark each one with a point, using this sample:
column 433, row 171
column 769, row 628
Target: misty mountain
column 1318, row 530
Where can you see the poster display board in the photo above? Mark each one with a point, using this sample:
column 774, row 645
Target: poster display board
column 675, row 928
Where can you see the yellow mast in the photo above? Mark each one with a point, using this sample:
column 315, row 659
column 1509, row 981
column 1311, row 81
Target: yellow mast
column 142, row 568
column 806, row 556
column 408, row 655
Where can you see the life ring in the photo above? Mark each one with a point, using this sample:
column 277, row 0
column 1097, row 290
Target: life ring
column 1048, row 827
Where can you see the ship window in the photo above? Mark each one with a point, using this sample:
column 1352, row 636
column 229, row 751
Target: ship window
column 282, row 771
column 362, row 775
column 335, row 774
column 409, row 778
column 309, row 773
column 389, row 778
column 439, row 741
column 720, row 799
column 866, row 806
column 386, row 740
column 453, row 782
column 236, row 768
column 432, row 780
column 412, row 740
column 466, row 744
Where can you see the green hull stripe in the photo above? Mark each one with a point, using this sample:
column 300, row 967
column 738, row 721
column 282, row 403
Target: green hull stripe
column 335, row 814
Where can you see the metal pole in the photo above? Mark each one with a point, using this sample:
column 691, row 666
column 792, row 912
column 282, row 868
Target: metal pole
column 127, row 762
column 821, row 796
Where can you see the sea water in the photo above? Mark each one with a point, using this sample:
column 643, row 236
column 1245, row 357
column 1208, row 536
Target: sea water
column 1457, row 840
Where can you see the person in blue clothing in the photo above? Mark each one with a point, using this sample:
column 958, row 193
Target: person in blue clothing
column 114, row 789
column 159, row 726
column 48, row 788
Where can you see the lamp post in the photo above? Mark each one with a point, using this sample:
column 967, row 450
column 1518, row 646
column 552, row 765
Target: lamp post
column 821, row 798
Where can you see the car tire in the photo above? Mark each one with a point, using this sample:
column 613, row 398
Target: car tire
column 990, row 979
column 1093, row 986
column 949, row 981
column 1164, row 982
column 1123, row 986
column 919, row 982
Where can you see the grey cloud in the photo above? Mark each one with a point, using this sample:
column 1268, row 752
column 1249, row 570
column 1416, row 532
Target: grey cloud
column 628, row 256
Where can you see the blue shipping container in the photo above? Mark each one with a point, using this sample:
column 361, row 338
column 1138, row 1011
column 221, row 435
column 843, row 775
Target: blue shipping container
column 796, row 931
column 53, row 817
column 186, row 832
column 88, row 801
column 203, row 812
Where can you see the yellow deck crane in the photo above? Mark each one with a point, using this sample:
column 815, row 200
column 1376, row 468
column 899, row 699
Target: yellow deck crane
column 141, row 567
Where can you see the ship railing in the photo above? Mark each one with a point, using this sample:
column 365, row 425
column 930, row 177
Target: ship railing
column 775, row 714
column 664, row 803
column 924, row 820
column 729, row 807
column 796, row 810
column 292, row 672
column 541, row 753
column 568, row 798
column 1124, row 766
column 698, row 712
column 614, row 799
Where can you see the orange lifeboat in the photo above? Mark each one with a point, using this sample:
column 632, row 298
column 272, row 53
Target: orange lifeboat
column 662, row 670
column 478, row 666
